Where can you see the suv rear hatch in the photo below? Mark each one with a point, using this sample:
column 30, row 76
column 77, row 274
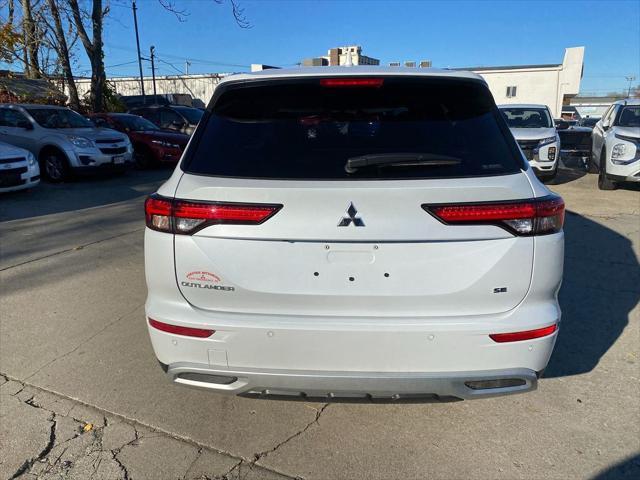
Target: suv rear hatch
column 321, row 190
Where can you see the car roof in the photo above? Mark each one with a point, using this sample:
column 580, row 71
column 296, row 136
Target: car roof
column 522, row 105
column 354, row 71
column 628, row 101
column 33, row 105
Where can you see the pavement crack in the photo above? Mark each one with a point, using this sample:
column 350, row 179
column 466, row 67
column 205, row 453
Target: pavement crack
column 91, row 337
column 315, row 421
column 43, row 454
column 71, row 249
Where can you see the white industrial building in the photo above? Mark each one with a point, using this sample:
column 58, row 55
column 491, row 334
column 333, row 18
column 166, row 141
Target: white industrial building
column 553, row 85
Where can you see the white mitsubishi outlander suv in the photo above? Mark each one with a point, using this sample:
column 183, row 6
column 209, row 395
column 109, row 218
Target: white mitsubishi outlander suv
column 615, row 145
column 354, row 232
column 532, row 127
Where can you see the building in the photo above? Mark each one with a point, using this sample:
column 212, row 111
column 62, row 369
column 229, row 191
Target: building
column 553, row 85
column 200, row 87
column 350, row 54
column 594, row 106
column 15, row 88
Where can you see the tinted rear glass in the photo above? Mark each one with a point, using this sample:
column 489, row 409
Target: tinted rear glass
column 303, row 130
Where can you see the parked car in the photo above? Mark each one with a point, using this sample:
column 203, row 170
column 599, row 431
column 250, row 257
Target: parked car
column 616, row 145
column 171, row 117
column 367, row 233
column 534, row 131
column 151, row 145
column 63, row 141
column 570, row 113
column 575, row 141
column 18, row 169
column 589, row 121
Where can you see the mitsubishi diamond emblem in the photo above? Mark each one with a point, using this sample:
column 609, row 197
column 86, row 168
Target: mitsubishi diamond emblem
column 351, row 216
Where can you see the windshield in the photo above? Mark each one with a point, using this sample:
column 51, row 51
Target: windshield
column 527, row 117
column 193, row 115
column 135, row 123
column 59, row 118
column 305, row 130
column 629, row 116
column 589, row 122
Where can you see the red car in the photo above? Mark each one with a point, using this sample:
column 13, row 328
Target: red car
column 152, row 146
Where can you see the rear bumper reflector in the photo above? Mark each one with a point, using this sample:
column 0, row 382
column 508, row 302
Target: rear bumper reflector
column 525, row 335
column 178, row 330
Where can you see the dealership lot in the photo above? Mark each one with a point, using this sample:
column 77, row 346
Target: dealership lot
column 81, row 392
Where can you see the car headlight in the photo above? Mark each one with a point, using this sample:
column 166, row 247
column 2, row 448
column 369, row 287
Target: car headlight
column 546, row 141
column 164, row 143
column 619, row 150
column 31, row 160
column 80, row 142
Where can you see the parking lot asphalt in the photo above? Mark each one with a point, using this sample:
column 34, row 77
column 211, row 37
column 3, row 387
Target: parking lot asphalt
column 81, row 394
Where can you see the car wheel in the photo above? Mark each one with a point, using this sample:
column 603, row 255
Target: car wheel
column 55, row 166
column 605, row 183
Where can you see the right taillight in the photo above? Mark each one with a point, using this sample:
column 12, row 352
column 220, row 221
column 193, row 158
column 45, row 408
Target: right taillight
column 538, row 216
column 187, row 217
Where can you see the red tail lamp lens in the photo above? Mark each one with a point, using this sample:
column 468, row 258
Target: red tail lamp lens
column 352, row 82
column 525, row 335
column 187, row 217
column 178, row 330
column 538, row 216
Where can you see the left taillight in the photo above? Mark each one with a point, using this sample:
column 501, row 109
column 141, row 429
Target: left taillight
column 187, row 217
column 537, row 216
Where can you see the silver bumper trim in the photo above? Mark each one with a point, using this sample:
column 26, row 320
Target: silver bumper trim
column 349, row 385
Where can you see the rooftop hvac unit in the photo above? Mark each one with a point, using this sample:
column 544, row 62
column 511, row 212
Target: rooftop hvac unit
column 410, row 64
column 425, row 64
column 394, row 64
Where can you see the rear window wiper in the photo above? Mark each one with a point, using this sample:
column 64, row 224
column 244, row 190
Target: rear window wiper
column 399, row 160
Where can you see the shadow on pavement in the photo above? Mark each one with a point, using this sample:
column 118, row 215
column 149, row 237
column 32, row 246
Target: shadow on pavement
column 599, row 290
column 629, row 468
column 80, row 193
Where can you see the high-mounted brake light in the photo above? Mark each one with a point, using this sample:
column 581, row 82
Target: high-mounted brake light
column 187, row 217
column 178, row 330
column 352, row 82
column 525, row 335
column 538, row 216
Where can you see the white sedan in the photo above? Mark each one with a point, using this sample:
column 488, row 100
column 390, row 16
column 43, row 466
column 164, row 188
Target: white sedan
column 19, row 169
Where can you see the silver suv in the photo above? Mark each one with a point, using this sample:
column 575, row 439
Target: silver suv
column 63, row 141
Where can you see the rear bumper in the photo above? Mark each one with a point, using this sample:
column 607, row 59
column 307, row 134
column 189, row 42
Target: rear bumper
column 365, row 357
column 324, row 386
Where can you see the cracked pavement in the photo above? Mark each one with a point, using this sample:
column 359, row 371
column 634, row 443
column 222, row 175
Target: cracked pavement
column 81, row 395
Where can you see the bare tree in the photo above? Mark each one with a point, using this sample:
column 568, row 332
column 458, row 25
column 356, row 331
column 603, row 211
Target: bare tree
column 238, row 13
column 94, row 49
column 31, row 41
column 62, row 48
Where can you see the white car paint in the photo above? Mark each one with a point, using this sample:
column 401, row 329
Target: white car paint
column 539, row 160
column 18, row 162
column 607, row 135
column 402, row 307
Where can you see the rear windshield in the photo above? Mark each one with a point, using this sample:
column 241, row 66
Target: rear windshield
column 417, row 128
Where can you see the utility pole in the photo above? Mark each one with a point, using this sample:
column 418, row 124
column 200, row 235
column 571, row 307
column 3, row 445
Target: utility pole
column 187, row 64
column 135, row 24
column 153, row 71
column 629, row 79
